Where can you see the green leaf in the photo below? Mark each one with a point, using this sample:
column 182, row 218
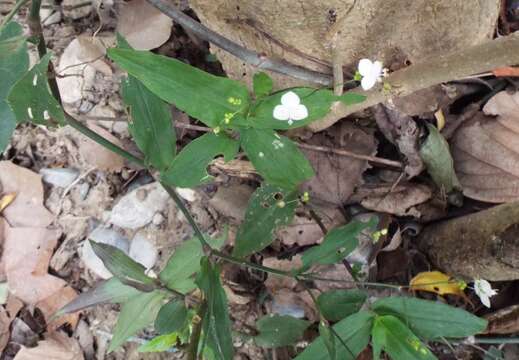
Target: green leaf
column 335, row 305
column 109, row 291
column 277, row 330
column 172, row 317
column 189, row 169
column 135, row 315
column 150, row 123
column 337, row 244
column 269, row 207
column 31, row 99
column 13, row 64
column 276, row 158
column 262, row 84
column 329, row 340
column 185, row 262
column 354, row 332
column 216, row 323
column 391, row 335
column 127, row 270
column 201, row 95
column 160, row 343
column 431, row 320
column 437, row 158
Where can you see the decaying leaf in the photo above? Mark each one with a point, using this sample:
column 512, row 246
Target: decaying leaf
column 5, row 321
column 56, row 346
column 97, row 155
column 6, row 200
column 337, row 176
column 436, row 282
column 143, row 26
column 504, row 321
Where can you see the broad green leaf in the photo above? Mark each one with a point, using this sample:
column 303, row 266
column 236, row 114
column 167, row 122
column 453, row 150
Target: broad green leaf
column 150, row 124
column 317, row 102
column 127, row 270
column 13, row 65
column 262, row 84
column 437, row 157
column 160, row 343
column 136, row 314
column 109, row 291
column 279, row 330
column 189, row 169
column 31, row 99
column 337, row 244
column 269, row 207
column 172, row 317
column 354, row 331
column 216, row 323
column 431, row 320
column 335, row 305
column 276, row 158
column 328, row 339
column 185, row 262
column 201, row 95
column 391, row 334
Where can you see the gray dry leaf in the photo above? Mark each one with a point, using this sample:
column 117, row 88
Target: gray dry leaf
column 337, row 175
column 56, row 346
column 486, row 152
column 143, row 26
column 97, row 155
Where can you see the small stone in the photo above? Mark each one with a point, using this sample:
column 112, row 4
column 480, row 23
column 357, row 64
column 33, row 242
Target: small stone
column 143, row 251
column 51, row 19
column 72, row 9
column 187, row 194
column 158, row 219
column 60, row 177
column 83, row 190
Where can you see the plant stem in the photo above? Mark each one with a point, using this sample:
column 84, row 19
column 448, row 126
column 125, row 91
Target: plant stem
column 192, row 350
column 11, row 14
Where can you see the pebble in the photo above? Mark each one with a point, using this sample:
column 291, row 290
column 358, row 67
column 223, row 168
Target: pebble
column 143, row 251
column 293, row 310
column 60, row 177
column 158, row 219
column 186, row 194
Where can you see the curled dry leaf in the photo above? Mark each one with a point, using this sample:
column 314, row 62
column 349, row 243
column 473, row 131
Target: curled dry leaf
column 486, row 152
column 56, row 346
column 143, row 26
column 504, row 321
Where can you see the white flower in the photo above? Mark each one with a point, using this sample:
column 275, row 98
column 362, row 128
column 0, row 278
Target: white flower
column 371, row 72
column 290, row 109
column 484, row 290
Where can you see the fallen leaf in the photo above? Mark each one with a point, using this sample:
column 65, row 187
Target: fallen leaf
column 436, row 282
column 507, row 71
column 336, row 175
column 275, row 283
column 5, row 322
column 56, row 346
column 503, row 321
column 97, row 155
column 6, row 200
column 143, row 26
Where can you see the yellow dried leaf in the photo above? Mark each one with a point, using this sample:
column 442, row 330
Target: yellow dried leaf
column 438, row 283
column 6, row 200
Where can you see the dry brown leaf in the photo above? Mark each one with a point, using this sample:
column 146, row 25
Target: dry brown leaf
column 399, row 201
column 274, row 283
column 143, row 26
column 97, row 155
column 56, row 346
column 503, row 321
column 337, row 176
column 27, row 209
column 486, row 152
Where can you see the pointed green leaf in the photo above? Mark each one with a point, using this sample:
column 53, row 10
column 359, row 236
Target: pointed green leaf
column 429, row 319
column 150, row 124
column 185, row 262
column 328, row 339
column 31, row 99
column 262, row 84
column 278, row 330
column 437, row 157
column 269, row 207
column 160, row 343
column 390, row 334
column 172, row 317
column 189, row 169
column 13, row 64
column 335, row 305
column 216, row 322
column 136, row 314
column 276, row 158
column 354, row 332
column 201, row 95
column 337, row 244
column 127, row 270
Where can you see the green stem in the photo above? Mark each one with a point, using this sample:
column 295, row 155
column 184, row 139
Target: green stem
column 192, row 350
column 11, row 14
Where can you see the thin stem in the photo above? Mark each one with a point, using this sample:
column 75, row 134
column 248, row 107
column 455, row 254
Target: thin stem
column 192, row 350
column 11, row 14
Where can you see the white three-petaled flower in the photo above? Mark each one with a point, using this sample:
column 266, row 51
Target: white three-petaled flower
column 290, row 109
column 484, row 290
column 371, row 72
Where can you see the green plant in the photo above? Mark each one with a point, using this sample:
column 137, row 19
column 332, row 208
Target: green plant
column 398, row 325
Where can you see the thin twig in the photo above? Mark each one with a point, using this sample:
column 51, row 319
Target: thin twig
column 251, row 57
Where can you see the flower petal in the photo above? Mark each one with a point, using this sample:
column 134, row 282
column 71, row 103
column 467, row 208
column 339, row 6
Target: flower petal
column 298, row 112
column 365, row 66
column 485, row 300
column 290, row 99
column 281, row 112
column 368, row 82
column 376, row 70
